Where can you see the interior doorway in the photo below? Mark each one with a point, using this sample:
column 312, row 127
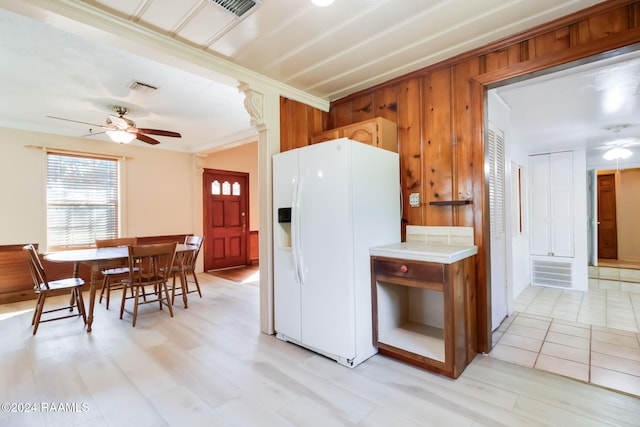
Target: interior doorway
column 607, row 228
column 226, row 218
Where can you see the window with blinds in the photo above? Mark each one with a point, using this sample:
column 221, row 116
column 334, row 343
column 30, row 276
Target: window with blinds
column 82, row 200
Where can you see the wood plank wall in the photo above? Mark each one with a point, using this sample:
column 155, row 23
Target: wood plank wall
column 440, row 115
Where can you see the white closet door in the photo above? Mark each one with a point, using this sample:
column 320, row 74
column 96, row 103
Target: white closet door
column 552, row 204
column 540, row 237
column 561, row 204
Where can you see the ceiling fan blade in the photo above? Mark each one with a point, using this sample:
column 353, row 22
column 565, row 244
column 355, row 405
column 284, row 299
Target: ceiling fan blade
column 159, row 132
column 78, row 121
column 147, row 139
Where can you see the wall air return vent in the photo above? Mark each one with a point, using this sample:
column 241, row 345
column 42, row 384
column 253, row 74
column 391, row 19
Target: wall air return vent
column 551, row 273
column 237, row 7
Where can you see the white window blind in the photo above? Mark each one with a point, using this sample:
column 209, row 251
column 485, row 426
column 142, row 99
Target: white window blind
column 82, row 200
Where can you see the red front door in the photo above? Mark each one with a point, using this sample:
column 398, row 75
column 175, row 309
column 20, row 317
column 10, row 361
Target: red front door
column 226, row 200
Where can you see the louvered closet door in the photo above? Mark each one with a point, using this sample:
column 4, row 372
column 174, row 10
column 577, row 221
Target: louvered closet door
column 497, row 216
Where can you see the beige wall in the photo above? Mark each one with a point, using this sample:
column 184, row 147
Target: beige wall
column 628, row 212
column 243, row 158
column 158, row 192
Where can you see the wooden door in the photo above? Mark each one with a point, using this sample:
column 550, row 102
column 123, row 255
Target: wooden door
column 226, row 218
column 607, row 229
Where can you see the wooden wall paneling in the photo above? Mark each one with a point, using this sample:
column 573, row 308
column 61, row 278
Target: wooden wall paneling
column 410, row 149
column 300, row 132
column 602, row 46
column 286, row 118
column 385, row 103
column 497, row 60
column 517, row 52
column 16, row 283
column 254, row 247
column 437, row 146
column 317, row 120
column 298, row 122
column 463, row 140
column 341, row 115
column 480, row 212
column 362, row 108
column 634, row 15
column 604, row 24
column 550, row 42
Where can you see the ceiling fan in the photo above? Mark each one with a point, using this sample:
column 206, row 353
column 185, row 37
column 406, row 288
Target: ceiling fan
column 123, row 130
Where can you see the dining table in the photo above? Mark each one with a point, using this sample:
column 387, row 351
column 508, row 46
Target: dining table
column 98, row 258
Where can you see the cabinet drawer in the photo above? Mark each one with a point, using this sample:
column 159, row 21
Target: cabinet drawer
column 410, row 270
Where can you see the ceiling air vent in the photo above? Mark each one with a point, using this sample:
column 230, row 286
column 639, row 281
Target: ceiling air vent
column 142, row 87
column 237, row 7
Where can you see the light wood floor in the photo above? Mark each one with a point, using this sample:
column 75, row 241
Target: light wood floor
column 210, row 366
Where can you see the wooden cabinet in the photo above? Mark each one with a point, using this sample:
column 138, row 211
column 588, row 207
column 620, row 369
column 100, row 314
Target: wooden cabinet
column 424, row 312
column 380, row 132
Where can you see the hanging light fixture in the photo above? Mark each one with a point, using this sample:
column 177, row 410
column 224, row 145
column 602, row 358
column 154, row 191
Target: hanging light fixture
column 322, row 3
column 121, row 136
column 617, row 153
column 618, row 144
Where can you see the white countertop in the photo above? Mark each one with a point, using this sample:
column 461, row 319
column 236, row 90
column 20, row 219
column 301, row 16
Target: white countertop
column 423, row 251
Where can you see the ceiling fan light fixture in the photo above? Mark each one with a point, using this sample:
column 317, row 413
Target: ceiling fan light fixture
column 322, row 3
column 617, row 154
column 121, row 136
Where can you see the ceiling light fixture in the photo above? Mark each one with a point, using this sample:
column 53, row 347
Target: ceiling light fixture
column 121, row 136
column 617, row 154
column 322, row 3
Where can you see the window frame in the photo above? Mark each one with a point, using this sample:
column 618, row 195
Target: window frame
column 118, row 172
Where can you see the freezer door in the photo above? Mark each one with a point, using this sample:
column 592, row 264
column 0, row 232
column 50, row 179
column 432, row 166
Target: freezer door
column 286, row 287
column 326, row 251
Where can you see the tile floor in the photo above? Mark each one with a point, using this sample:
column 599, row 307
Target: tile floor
column 589, row 336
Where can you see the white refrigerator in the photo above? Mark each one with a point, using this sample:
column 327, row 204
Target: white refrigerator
column 332, row 201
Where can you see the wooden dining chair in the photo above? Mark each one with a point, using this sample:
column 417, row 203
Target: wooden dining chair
column 115, row 271
column 185, row 265
column 149, row 267
column 44, row 288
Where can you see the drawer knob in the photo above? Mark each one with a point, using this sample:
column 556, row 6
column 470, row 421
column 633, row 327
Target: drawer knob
column 404, row 268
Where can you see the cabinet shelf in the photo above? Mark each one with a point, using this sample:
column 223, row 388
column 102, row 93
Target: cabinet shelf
column 450, row 202
column 427, row 341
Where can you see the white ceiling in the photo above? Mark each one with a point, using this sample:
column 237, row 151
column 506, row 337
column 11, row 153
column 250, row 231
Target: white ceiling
column 577, row 108
column 74, row 59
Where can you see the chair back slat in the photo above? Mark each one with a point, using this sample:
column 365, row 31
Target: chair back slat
column 190, row 257
column 112, row 243
column 35, row 266
column 151, row 263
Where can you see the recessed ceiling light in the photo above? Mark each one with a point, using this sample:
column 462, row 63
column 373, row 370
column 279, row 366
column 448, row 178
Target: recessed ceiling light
column 322, row 3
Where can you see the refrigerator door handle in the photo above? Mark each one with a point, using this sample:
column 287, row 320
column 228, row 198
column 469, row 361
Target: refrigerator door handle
column 296, row 216
column 295, row 220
